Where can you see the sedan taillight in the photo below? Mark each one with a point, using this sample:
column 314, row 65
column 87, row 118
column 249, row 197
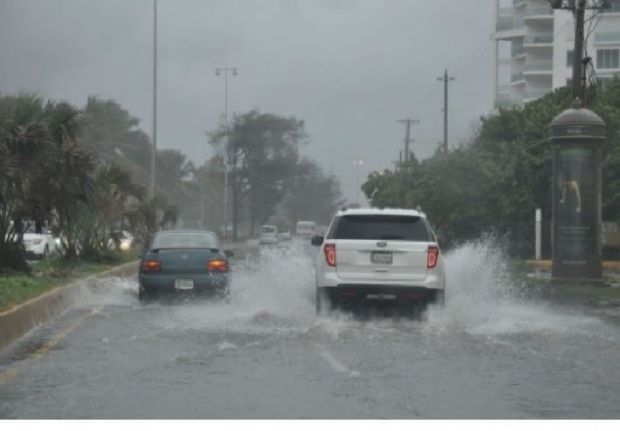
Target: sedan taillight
column 150, row 265
column 330, row 254
column 217, row 265
column 433, row 257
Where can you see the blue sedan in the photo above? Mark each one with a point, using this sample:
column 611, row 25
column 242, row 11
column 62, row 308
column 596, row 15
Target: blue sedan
column 184, row 262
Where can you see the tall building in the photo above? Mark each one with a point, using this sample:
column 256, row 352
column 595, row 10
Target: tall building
column 534, row 48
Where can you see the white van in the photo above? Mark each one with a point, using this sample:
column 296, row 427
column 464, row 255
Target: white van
column 268, row 234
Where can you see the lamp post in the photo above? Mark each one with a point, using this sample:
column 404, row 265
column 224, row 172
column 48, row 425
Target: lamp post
column 218, row 72
column 154, row 133
column 357, row 164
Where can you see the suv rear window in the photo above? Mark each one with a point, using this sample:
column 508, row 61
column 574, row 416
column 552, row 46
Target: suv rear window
column 377, row 227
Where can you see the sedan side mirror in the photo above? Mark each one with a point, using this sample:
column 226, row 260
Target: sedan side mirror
column 317, row 240
column 229, row 253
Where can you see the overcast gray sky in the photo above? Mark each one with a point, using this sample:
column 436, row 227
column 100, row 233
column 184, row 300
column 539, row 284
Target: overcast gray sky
column 349, row 68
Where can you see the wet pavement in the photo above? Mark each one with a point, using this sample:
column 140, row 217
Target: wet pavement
column 489, row 353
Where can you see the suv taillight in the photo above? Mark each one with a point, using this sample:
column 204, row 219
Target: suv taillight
column 330, row 254
column 433, row 256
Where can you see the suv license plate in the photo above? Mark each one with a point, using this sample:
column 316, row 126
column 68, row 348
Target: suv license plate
column 184, row 284
column 381, row 257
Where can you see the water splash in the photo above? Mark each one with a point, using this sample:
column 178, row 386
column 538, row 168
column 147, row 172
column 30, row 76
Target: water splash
column 483, row 299
column 274, row 295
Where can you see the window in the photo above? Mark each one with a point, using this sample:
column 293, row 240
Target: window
column 607, row 59
column 184, row 240
column 377, row 227
column 570, row 57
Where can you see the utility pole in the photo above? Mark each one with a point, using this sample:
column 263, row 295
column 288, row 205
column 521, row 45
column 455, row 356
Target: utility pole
column 218, row 72
column 579, row 89
column 408, row 122
column 578, row 8
column 154, row 134
column 445, row 78
column 358, row 164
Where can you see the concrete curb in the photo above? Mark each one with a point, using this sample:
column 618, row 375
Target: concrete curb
column 20, row 319
column 610, row 265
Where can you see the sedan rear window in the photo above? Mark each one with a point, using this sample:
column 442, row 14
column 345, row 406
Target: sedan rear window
column 380, row 227
column 184, row 240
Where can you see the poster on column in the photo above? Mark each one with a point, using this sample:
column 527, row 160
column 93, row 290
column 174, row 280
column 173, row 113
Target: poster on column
column 575, row 204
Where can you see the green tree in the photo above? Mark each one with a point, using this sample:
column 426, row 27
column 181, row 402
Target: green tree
column 263, row 150
column 311, row 194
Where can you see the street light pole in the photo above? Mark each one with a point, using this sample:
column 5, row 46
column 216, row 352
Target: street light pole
column 357, row 164
column 154, row 133
column 218, row 72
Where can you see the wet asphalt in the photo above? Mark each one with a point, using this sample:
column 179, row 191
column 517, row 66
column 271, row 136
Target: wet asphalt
column 488, row 353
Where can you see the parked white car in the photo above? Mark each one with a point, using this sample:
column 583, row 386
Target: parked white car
column 39, row 245
column 268, row 235
column 378, row 255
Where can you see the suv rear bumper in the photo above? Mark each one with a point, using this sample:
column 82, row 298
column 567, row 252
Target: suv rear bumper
column 357, row 294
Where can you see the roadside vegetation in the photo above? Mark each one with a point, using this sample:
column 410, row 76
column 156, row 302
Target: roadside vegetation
column 83, row 173
column 18, row 287
column 492, row 184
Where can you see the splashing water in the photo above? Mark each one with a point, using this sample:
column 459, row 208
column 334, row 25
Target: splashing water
column 482, row 299
column 275, row 295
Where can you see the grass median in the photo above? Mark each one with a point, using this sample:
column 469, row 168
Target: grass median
column 16, row 288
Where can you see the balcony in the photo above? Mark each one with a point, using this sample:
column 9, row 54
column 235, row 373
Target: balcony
column 506, row 23
column 539, row 67
column 538, row 40
column 606, row 37
column 517, row 78
column 538, row 12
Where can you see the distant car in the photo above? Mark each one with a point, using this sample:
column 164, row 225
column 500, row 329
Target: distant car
column 184, row 262
column 305, row 229
column 268, row 235
column 125, row 241
column 38, row 245
column 372, row 255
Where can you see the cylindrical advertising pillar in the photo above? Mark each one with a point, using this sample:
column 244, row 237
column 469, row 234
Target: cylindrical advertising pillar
column 577, row 136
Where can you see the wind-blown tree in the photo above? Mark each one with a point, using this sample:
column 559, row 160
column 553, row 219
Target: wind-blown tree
column 312, row 195
column 113, row 134
column 263, row 150
column 106, row 214
column 30, row 130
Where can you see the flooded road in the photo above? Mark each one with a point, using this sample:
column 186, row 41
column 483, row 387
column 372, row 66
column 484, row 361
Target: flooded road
column 488, row 353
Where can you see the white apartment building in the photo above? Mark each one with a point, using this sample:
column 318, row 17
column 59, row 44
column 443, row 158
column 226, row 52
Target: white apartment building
column 534, row 48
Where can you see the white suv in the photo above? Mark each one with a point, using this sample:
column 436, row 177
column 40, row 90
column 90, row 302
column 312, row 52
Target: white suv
column 378, row 255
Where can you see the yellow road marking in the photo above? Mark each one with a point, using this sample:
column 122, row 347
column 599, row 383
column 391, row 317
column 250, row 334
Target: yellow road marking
column 10, row 373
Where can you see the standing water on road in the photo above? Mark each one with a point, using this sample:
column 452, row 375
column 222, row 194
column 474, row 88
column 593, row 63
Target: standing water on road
column 488, row 353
